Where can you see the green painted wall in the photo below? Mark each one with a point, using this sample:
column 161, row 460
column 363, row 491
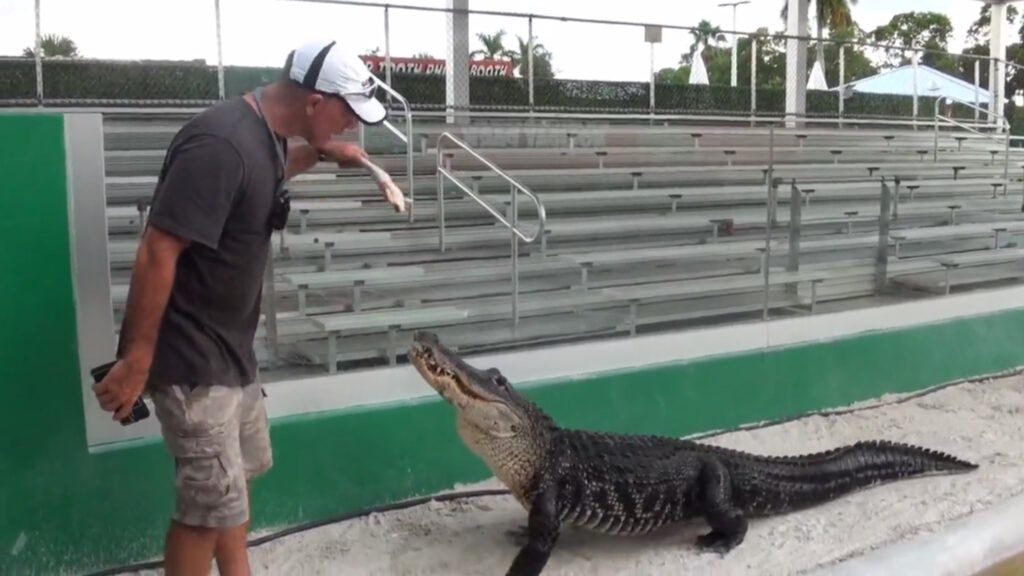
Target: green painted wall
column 65, row 510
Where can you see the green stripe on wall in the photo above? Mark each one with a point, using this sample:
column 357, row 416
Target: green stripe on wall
column 66, row 510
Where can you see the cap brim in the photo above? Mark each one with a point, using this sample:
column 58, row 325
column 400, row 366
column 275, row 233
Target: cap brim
column 369, row 110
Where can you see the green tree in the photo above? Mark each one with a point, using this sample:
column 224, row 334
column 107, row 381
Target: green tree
column 541, row 59
column 928, row 31
column 832, row 14
column 54, row 45
column 979, row 33
column 979, row 30
column 494, row 46
column 705, row 34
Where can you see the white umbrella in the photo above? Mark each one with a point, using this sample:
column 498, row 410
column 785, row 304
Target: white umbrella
column 817, row 80
column 698, row 73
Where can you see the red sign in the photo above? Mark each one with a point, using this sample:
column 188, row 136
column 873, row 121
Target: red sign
column 436, row 66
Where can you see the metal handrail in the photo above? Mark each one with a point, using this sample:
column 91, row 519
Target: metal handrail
column 407, row 138
column 939, row 100
column 1005, row 124
column 514, row 187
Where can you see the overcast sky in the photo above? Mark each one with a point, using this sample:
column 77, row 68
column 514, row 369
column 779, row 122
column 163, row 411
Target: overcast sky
column 260, row 32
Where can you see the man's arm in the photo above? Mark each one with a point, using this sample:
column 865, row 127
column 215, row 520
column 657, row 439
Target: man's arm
column 152, row 278
column 300, row 159
column 303, row 156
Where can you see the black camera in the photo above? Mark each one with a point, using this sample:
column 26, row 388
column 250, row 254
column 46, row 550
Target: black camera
column 280, row 210
column 139, row 411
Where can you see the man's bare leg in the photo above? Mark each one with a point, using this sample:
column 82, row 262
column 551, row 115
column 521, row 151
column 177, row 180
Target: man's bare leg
column 188, row 550
column 231, row 548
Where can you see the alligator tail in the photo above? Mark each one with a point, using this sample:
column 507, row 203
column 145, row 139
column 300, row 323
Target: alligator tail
column 793, row 482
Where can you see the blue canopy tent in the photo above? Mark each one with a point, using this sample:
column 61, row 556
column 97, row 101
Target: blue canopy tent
column 930, row 82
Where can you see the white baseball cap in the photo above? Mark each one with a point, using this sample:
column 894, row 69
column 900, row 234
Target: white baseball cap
column 327, row 68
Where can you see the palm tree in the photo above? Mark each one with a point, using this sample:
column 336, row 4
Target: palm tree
column 541, row 59
column 704, row 34
column 835, row 13
column 494, row 46
column 54, row 45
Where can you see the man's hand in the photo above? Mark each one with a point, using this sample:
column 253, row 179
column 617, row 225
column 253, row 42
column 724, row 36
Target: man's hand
column 120, row 388
column 348, row 155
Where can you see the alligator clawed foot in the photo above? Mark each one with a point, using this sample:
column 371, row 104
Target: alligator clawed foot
column 519, row 536
column 717, row 542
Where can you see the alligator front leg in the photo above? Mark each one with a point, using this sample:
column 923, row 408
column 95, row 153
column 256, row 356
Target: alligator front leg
column 728, row 525
column 542, row 534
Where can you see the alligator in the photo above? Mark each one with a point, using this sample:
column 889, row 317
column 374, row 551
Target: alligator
column 634, row 484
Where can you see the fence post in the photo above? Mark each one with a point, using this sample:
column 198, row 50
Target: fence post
column 882, row 253
column 529, row 57
column 753, row 80
column 39, row 57
column 913, row 61
column 387, row 49
column 652, row 35
column 220, row 53
column 977, row 84
column 842, row 80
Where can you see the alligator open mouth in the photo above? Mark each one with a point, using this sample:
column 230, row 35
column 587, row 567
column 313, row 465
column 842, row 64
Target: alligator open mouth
column 425, row 357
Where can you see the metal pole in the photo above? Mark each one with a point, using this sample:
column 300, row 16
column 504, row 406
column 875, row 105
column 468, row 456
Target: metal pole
column 735, row 36
column 753, row 78
column 914, row 61
column 1006, row 157
column 515, row 256
column 440, row 200
column 882, row 251
column 529, row 58
column 220, row 53
column 977, row 92
column 39, row 56
column 768, row 219
column 842, row 77
column 734, row 46
column 387, row 48
column 652, row 78
column 795, row 213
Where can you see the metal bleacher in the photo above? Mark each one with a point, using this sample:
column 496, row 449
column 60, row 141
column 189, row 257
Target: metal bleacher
column 637, row 227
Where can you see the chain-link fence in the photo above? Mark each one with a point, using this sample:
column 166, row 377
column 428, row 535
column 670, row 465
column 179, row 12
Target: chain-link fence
column 485, row 61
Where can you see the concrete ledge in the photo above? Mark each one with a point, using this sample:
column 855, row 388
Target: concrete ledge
column 968, row 546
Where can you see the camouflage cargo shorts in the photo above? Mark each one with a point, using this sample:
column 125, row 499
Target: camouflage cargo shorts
column 220, row 438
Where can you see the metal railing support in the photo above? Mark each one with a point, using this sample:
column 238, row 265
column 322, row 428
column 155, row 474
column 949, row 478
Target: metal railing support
column 1005, row 123
column 407, row 139
column 512, row 223
column 882, row 251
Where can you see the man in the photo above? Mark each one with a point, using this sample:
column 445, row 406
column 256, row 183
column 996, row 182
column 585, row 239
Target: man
column 194, row 298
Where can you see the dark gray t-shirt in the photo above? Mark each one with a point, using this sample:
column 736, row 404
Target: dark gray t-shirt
column 216, row 189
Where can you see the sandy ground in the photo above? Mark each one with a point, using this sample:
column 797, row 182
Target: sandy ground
column 979, row 421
